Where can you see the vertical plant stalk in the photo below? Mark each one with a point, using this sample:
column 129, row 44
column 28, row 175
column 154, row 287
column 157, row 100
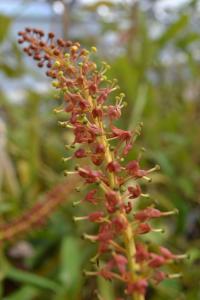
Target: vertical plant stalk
column 128, row 233
column 114, row 183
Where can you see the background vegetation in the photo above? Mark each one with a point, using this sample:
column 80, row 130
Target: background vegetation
column 156, row 61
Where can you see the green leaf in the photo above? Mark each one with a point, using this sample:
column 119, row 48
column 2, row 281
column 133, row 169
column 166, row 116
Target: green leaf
column 5, row 23
column 106, row 289
column 70, row 259
column 26, row 292
column 165, row 163
column 30, row 278
column 190, row 38
column 173, row 30
column 139, row 106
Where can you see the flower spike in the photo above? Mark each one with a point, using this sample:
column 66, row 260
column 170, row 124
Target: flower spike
column 102, row 148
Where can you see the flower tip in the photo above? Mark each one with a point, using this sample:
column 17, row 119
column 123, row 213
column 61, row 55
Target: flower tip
column 94, row 49
column 75, row 203
column 55, row 84
column 65, row 159
column 84, row 272
column 176, row 211
column 148, row 179
column 188, row 256
column 157, row 168
column 174, row 276
column 57, row 64
column 65, row 173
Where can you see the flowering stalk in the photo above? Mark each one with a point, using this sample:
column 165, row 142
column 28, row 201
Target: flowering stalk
column 38, row 214
column 114, row 183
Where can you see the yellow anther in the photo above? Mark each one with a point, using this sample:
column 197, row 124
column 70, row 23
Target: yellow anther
column 74, row 48
column 55, row 84
column 94, row 49
column 60, row 74
column 57, row 64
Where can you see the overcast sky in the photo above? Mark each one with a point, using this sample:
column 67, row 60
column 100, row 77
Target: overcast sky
column 13, row 7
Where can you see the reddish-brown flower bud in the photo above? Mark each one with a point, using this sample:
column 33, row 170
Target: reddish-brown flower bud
column 143, row 228
column 80, row 153
column 141, row 253
column 89, row 175
column 114, row 167
column 123, row 135
column 96, row 216
column 133, row 169
column 97, row 112
column 159, row 276
column 90, row 197
column 156, row 261
column 167, row 254
column 148, row 213
column 99, row 149
column 139, row 287
column 112, row 200
column 134, row 192
column 114, row 112
column 119, row 224
column 121, row 262
column 128, row 207
column 105, row 273
column 51, row 35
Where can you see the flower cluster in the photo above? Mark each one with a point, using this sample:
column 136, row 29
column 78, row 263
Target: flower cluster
column 37, row 215
column 114, row 184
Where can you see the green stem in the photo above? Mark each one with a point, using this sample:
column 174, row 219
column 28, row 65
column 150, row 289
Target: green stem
column 128, row 232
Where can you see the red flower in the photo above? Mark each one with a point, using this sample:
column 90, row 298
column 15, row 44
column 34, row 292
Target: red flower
column 112, row 201
column 90, row 197
column 80, row 153
column 82, row 134
column 167, row 254
column 90, row 176
column 156, row 261
column 133, row 169
column 96, row 216
column 128, row 207
column 143, row 228
column 139, row 287
column 123, row 135
column 119, row 224
column 94, row 129
column 105, row 273
column 121, row 262
column 134, row 192
column 114, row 167
column 104, row 236
column 99, row 149
column 114, row 112
column 141, row 253
column 148, row 213
column 103, row 94
column 98, row 154
column 159, row 276
column 97, row 112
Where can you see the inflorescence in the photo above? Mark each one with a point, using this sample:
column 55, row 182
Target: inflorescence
column 101, row 148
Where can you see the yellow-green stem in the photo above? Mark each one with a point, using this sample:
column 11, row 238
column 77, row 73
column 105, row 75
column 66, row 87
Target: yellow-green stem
column 128, row 232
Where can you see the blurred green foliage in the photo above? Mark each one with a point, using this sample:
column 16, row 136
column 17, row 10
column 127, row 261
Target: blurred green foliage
column 160, row 76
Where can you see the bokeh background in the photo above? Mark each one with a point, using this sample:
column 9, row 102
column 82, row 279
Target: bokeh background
column 153, row 48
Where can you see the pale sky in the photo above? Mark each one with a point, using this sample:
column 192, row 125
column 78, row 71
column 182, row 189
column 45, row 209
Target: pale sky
column 12, row 7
